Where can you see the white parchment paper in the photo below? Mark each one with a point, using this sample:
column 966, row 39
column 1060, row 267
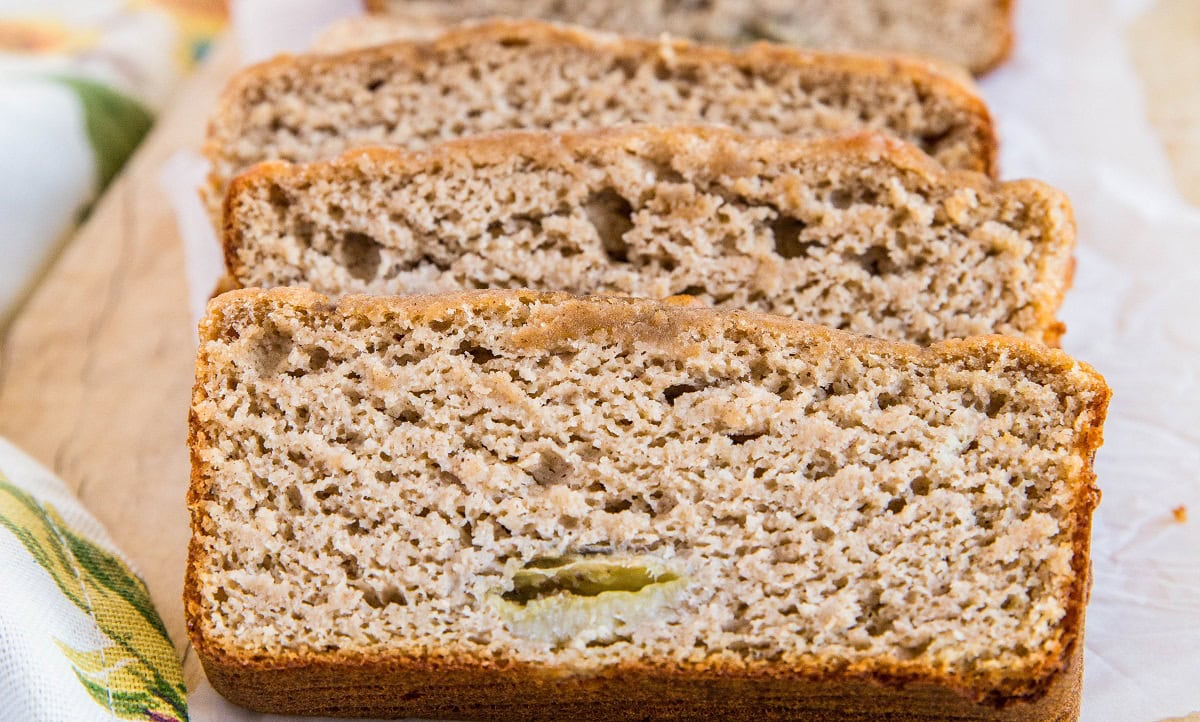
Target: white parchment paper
column 1070, row 112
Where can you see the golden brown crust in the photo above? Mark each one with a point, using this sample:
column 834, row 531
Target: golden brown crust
column 515, row 692
column 1005, row 9
column 349, row 682
column 930, row 78
column 1057, row 224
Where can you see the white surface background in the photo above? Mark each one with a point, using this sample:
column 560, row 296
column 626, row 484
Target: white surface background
column 1070, row 112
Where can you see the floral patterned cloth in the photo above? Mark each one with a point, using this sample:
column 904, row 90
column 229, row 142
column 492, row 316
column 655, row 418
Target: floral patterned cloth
column 80, row 82
column 79, row 637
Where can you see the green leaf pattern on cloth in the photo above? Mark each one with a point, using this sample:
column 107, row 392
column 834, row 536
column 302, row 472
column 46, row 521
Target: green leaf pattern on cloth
column 137, row 676
column 115, row 124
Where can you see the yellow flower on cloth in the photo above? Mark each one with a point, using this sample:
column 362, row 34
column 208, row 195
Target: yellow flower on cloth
column 79, row 637
column 80, row 83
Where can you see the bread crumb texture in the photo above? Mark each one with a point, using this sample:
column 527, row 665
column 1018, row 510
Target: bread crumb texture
column 861, row 233
column 519, row 477
column 503, row 75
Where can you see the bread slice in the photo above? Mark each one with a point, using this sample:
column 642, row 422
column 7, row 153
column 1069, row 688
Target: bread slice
column 505, row 75
column 522, row 506
column 862, row 233
column 973, row 33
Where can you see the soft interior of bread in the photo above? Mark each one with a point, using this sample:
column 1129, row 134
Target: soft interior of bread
column 845, row 240
column 971, row 33
column 516, row 76
column 584, row 484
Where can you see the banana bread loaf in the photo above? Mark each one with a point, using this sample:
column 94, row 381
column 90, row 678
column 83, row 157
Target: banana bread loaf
column 505, row 75
column 972, row 33
column 862, row 233
column 522, row 506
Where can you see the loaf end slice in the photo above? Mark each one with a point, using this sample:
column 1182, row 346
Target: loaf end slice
column 863, row 233
column 976, row 34
column 513, row 505
column 511, row 75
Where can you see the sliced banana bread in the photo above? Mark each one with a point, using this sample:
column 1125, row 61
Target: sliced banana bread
column 973, row 33
column 504, row 75
column 862, row 233
column 522, row 506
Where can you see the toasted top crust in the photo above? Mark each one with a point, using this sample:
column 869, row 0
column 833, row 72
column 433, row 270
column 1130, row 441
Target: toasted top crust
column 245, row 95
column 560, row 317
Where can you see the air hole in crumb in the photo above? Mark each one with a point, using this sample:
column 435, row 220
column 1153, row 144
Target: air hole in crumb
column 294, row 497
column 406, row 416
column 786, row 231
column 933, row 139
column 671, row 393
column 822, row 465
column 478, row 354
column 272, row 350
column 739, row 439
column 317, row 358
column 823, row 534
column 626, row 66
column 617, row 506
column 608, row 642
column 897, row 505
column 304, row 231
column 841, row 198
column 1035, row 492
column 920, row 486
column 875, row 261
column 877, row 626
column 693, row 291
column 278, row 198
column 379, row 598
column 612, row 216
column 738, row 623
column 995, row 403
column 375, row 84
column 514, row 42
column 551, row 468
column 360, row 254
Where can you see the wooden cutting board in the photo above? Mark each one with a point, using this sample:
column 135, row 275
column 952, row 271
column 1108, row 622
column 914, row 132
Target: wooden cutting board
column 95, row 372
